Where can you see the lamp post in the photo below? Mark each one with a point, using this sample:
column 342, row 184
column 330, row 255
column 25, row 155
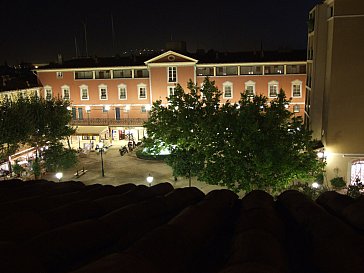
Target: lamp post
column 150, row 180
column 101, row 149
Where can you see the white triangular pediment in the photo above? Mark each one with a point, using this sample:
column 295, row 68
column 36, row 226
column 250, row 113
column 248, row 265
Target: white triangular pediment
column 171, row 57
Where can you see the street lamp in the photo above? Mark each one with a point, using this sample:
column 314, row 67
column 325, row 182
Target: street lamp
column 59, row 176
column 101, row 149
column 150, row 179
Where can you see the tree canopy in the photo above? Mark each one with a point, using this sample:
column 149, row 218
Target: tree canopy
column 256, row 143
column 34, row 121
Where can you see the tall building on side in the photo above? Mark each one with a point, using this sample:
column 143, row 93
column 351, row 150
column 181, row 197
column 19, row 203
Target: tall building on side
column 335, row 95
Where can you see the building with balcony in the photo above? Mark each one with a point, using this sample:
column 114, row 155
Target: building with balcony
column 118, row 92
column 334, row 92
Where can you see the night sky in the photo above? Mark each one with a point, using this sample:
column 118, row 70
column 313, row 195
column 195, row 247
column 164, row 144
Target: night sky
column 36, row 31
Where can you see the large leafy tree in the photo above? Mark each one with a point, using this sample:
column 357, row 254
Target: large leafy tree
column 49, row 120
column 34, row 121
column 254, row 144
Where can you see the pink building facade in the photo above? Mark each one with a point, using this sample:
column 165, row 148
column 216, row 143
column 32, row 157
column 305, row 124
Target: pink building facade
column 119, row 96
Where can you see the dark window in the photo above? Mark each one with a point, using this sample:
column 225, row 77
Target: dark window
column 83, row 75
column 124, row 73
column 117, row 113
column 251, row 70
column 141, row 73
column 226, row 70
column 74, row 113
column 273, row 69
column 80, row 114
column 102, row 74
column 205, row 71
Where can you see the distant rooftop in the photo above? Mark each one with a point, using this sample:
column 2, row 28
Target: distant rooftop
column 17, row 78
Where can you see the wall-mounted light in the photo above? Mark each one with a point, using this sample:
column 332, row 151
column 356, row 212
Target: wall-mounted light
column 107, row 107
column 88, row 108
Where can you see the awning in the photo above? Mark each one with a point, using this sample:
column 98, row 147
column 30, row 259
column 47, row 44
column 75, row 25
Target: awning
column 90, row 130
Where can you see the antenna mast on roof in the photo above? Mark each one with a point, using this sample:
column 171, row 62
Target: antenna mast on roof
column 76, row 48
column 113, row 33
column 84, row 28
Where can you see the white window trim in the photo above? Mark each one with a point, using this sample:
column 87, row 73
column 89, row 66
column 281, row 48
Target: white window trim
column 48, row 88
column 66, row 87
column 103, row 86
column 228, row 84
column 250, row 83
column 168, row 74
column 296, row 82
column 139, row 86
column 273, row 83
column 168, row 89
column 88, row 94
column 120, row 86
column 59, row 75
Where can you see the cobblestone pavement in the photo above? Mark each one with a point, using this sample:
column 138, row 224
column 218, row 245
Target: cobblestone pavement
column 125, row 169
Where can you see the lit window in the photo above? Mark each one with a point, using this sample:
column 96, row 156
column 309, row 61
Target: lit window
column 103, row 92
column 142, row 91
column 48, row 92
column 273, row 89
column 250, row 88
column 66, row 92
column 59, row 75
column 296, row 108
column 227, row 90
column 122, row 92
column 172, row 74
column 296, row 89
column 84, row 92
column 171, row 90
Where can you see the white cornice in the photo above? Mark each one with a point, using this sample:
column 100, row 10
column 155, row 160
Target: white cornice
column 172, row 64
column 90, row 68
column 251, row 64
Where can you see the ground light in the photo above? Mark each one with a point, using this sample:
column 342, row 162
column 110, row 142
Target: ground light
column 59, row 176
column 315, row 185
column 150, row 179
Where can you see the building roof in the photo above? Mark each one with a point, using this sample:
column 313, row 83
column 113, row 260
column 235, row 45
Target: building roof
column 17, row 78
column 72, row 227
column 201, row 57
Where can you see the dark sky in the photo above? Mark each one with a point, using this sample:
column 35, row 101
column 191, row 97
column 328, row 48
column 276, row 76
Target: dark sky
column 36, row 31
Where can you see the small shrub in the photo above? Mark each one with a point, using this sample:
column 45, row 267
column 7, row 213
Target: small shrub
column 17, row 169
column 338, row 182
